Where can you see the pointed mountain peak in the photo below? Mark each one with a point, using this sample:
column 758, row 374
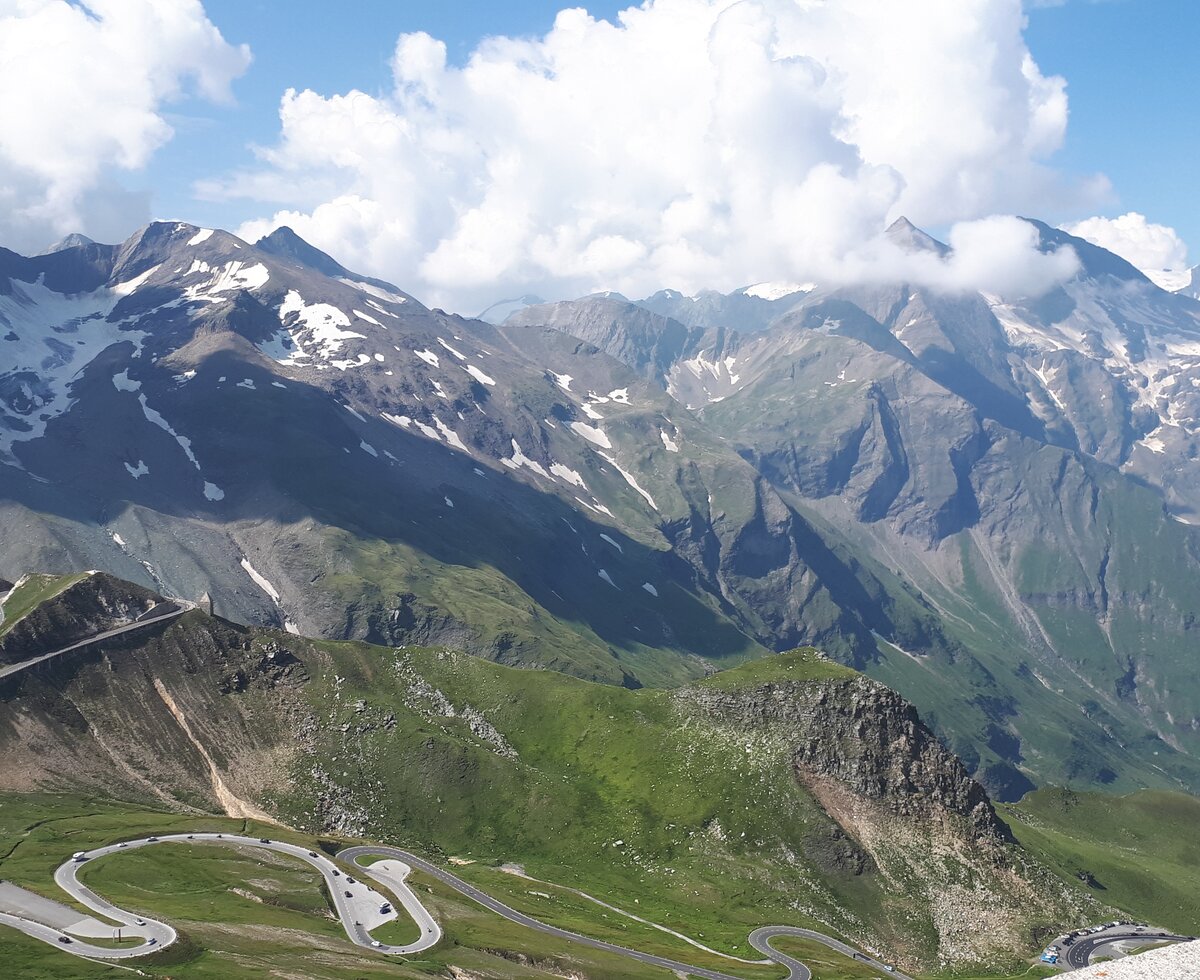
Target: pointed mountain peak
column 286, row 244
column 909, row 237
column 73, row 240
column 1096, row 261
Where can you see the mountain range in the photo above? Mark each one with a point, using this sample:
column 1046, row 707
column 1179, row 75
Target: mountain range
column 987, row 502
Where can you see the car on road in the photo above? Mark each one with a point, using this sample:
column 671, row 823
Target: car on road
column 264, row 840
column 376, row 943
column 64, row 939
column 349, row 880
column 140, row 922
column 349, row 894
column 312, row 854
column 122, row 844
column 151, row 941
column 152, row 840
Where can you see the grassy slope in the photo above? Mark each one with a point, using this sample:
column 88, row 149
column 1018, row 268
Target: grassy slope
column 1140, row 850
column 35, row 590
column 597, row 765
column 277, row 921
column 615, row 792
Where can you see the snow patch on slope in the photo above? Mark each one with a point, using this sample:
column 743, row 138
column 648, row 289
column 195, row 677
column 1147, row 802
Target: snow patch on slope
column 591, row 434
column 478, row 375
column 519, row 459
column 260, row 579
column 629, row 478
column 311, row 335
column 49, row 338
column 773, row 291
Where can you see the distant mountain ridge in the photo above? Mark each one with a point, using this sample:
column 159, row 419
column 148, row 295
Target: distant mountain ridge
column 983, row 501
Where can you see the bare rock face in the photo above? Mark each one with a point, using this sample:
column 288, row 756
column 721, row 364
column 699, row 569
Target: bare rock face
column 910, row 812
column 867, row 738
column 96, row 603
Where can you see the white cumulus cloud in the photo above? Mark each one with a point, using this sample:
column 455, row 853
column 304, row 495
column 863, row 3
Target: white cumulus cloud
column 1153, row 248
column 84, row 84
column 691, row 144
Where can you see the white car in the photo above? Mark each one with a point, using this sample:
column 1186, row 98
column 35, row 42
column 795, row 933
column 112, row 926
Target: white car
column 377, row 944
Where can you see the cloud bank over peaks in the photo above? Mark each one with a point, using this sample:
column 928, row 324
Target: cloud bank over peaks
column 84, row 87
column 1155, row 249
column 691, row 144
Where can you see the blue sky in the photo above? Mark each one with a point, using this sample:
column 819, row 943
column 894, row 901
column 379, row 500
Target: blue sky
column 1134, row 83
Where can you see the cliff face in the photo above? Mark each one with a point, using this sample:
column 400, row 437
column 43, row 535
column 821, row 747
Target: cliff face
column 869, row 740
column 190, row 713
column 926, row 831
column 96, row 603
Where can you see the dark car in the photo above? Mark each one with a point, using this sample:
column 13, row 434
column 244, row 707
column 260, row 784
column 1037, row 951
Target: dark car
column 264, row 840
column 312, row 854
column 64, row 939
column 349, row 895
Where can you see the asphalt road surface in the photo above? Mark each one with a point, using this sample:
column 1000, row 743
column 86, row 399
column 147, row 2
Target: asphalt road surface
column 359, row 906
column 1079, row 954
column 759, row 939
column 170, row 609
column 359, row 911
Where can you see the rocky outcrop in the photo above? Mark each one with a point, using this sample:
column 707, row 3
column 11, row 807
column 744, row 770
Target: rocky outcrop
column 914, row 821
column 866, row 738
column 197, row 714
column 97, row 603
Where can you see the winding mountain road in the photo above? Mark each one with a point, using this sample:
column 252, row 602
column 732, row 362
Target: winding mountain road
column 360, row 908
column 163, row 611
column 1080, row 953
